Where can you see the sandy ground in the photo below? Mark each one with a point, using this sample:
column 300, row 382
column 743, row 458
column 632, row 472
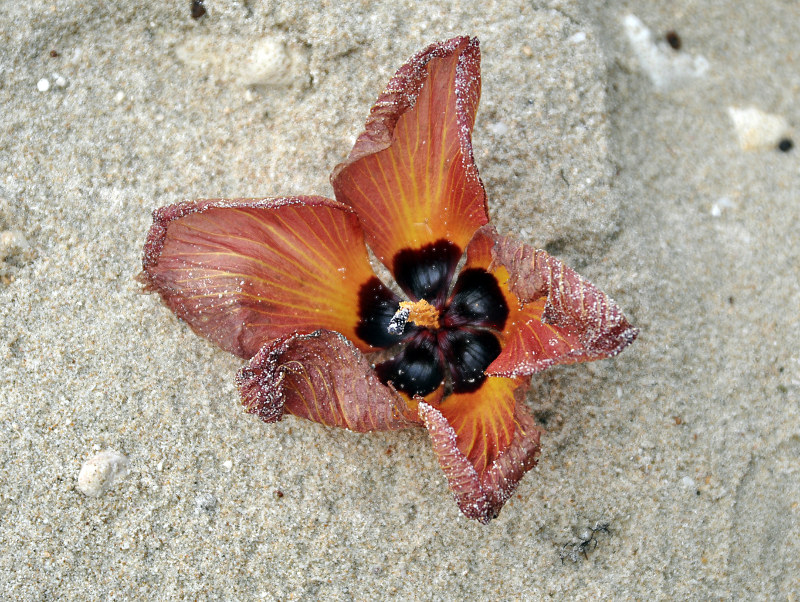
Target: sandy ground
column 616, row 155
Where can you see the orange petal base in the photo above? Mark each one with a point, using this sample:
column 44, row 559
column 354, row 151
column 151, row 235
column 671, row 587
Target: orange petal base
column 243, row 272
column 411, row 175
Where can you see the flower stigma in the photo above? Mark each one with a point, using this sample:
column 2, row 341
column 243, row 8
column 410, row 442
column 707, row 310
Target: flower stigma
column 420, row 312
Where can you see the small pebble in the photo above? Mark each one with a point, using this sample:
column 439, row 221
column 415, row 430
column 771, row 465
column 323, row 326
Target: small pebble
column 673, row 39
column 43, row 84
column 269, row 64
column 722, row 203
column 60, row 81
column 227, row 464
column 197, row 10
column 499, row 128
column 785, row 145
column 13, row 245
column 267, row 61
column 577, row 38
column 101, row 472
column 119, row 97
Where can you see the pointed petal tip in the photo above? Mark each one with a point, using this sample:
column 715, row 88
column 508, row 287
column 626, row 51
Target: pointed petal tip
column 481, row 497
column 143, row 279
column 557, row 316
column 461, row 475
column 404, row 197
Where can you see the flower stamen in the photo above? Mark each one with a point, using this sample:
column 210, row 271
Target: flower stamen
column 419, row 312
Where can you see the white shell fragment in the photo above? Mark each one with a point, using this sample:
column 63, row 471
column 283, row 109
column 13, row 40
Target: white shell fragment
column 723, row 203
column 665, row 67
column 14, row 252
column 264, row 61
column 757, row 130
column 101, row 472
column 13, row 244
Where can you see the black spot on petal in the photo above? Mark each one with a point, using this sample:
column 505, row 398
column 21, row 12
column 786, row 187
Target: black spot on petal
column 425, row 273
column 376, row 307
column 416, row 370
column 468, row 353
column 477, row 301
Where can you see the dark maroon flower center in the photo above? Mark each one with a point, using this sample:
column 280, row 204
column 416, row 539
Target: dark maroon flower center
column 459, row 351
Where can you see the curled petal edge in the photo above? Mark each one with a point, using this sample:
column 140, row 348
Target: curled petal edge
column 323, row 377
column 481, row 498
column 572, row 305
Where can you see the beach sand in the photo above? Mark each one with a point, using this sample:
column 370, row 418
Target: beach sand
column 611, row 149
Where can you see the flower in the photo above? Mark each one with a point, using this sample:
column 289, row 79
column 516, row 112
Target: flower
column 287, row 284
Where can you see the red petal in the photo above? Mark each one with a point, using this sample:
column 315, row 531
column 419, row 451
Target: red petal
column 461, row 475
column 555, row 316
column 483, row 420
column 322, row 377
column 480, row 495
column 501, row 480
column 243, row 272
column 411, row 175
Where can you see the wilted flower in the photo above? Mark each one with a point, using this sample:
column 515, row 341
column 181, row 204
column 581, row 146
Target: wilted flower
column 287, row 284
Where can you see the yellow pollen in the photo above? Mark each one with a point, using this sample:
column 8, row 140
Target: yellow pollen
column 421, row 313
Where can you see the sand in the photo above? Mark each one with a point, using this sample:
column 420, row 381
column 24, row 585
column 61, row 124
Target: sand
column 617, row 156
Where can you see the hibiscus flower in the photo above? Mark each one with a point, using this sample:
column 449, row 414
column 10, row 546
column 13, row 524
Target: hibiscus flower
column 287, row 284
